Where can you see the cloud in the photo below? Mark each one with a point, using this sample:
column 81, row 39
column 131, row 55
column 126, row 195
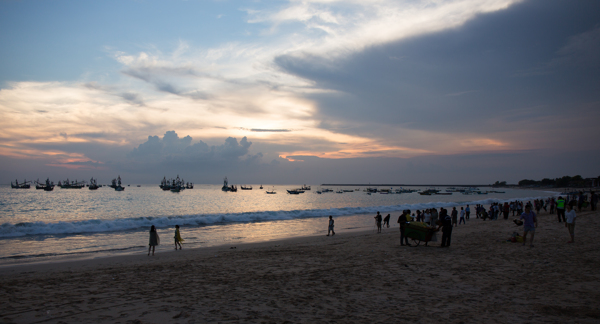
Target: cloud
column 458, row 86
column 171, row 146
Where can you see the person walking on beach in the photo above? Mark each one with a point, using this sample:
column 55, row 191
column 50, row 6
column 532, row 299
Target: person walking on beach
column 570, row 223
column 386, row 221
column 178, row 238
column 560, row 208
column 467, row 212
column 154, row 240
column 434, row 216
column 505, row 210
column 378, row 222
column 529, row 224
column 402, row 221
column 454, row 216
column 462, row 216
column 446, row 228
column 330, row 230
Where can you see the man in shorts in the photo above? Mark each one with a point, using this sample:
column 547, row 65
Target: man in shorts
column 529, row 224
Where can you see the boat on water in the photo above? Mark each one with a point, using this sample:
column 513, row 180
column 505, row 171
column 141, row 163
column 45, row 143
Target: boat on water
column 23, row 185
column 327, row 190
column 348, row 190
column 177, row 184
column 272, row 192
column 294, row 191
column 189, row 185
column 93, row 184
column 305, row 187
column 71, row 184
column 261, row 186
column 226, row 187
column 116, row 184
column 246, row 188
column 47, row 186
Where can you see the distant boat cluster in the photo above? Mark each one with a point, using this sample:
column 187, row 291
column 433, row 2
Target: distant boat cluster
column 66, row 184
column 175, row 185
column 178, row 185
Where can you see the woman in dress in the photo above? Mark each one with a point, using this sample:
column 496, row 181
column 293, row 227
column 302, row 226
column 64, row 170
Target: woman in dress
column 154, row 240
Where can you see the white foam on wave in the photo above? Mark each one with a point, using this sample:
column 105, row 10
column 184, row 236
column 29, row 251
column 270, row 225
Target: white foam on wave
column 126, row 224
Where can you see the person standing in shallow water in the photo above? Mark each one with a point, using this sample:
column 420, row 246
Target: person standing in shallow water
column 386, row 220
column 330, row 230
column 378, row 221
column 178, row 238
column 154, row 240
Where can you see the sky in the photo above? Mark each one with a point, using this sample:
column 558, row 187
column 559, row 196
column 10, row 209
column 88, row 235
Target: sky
column 292, row 92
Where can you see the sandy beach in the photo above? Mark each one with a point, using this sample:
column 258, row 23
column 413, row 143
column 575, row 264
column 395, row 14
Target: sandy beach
column 352, row 277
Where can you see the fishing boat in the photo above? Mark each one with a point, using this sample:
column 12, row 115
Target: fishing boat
column 246, row 188
column 47, row 186
column 305, row 187
column 118, row 186
column 24, row 185
column 293, row 191
column 226, row 187
column 189, row 185
column 93, row 184
column 71, row 184
column 327, row 190
column 272, row 192
column 261, row 186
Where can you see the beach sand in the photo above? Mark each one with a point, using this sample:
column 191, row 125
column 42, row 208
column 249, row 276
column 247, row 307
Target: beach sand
column 352, row 277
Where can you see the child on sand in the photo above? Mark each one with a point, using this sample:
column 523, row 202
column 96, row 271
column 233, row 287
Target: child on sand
column 154, row 240
column 570, row 222
column 178, row 238
column 330, row 230
column 529, row 224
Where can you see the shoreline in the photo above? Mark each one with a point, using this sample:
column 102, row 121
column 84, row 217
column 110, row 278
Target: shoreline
column 350, row 277
column 310, row 226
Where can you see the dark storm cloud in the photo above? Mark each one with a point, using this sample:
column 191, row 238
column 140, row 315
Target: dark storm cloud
column 539, row 56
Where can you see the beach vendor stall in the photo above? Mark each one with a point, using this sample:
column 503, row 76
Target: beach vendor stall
column 420, row 232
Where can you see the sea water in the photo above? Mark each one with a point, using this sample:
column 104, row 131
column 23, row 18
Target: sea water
column 43, row 226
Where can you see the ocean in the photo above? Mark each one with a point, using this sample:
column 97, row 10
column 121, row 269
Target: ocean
column 40, row 226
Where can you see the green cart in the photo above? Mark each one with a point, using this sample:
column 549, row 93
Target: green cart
column 418, row 233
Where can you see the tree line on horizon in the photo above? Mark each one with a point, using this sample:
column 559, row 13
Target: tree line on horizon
column 565, row 181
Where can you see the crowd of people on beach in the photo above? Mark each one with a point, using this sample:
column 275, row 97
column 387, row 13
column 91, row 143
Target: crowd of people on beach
column 444, row 221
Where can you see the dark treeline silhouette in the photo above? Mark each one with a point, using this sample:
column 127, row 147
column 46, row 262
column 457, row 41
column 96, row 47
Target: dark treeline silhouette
column 565, row 181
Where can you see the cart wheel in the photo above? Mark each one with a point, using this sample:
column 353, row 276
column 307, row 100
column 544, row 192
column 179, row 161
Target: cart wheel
column 415, row 242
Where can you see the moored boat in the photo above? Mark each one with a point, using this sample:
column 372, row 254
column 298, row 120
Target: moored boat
column 93, row 184
column 24, row 185
column 118, row 186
